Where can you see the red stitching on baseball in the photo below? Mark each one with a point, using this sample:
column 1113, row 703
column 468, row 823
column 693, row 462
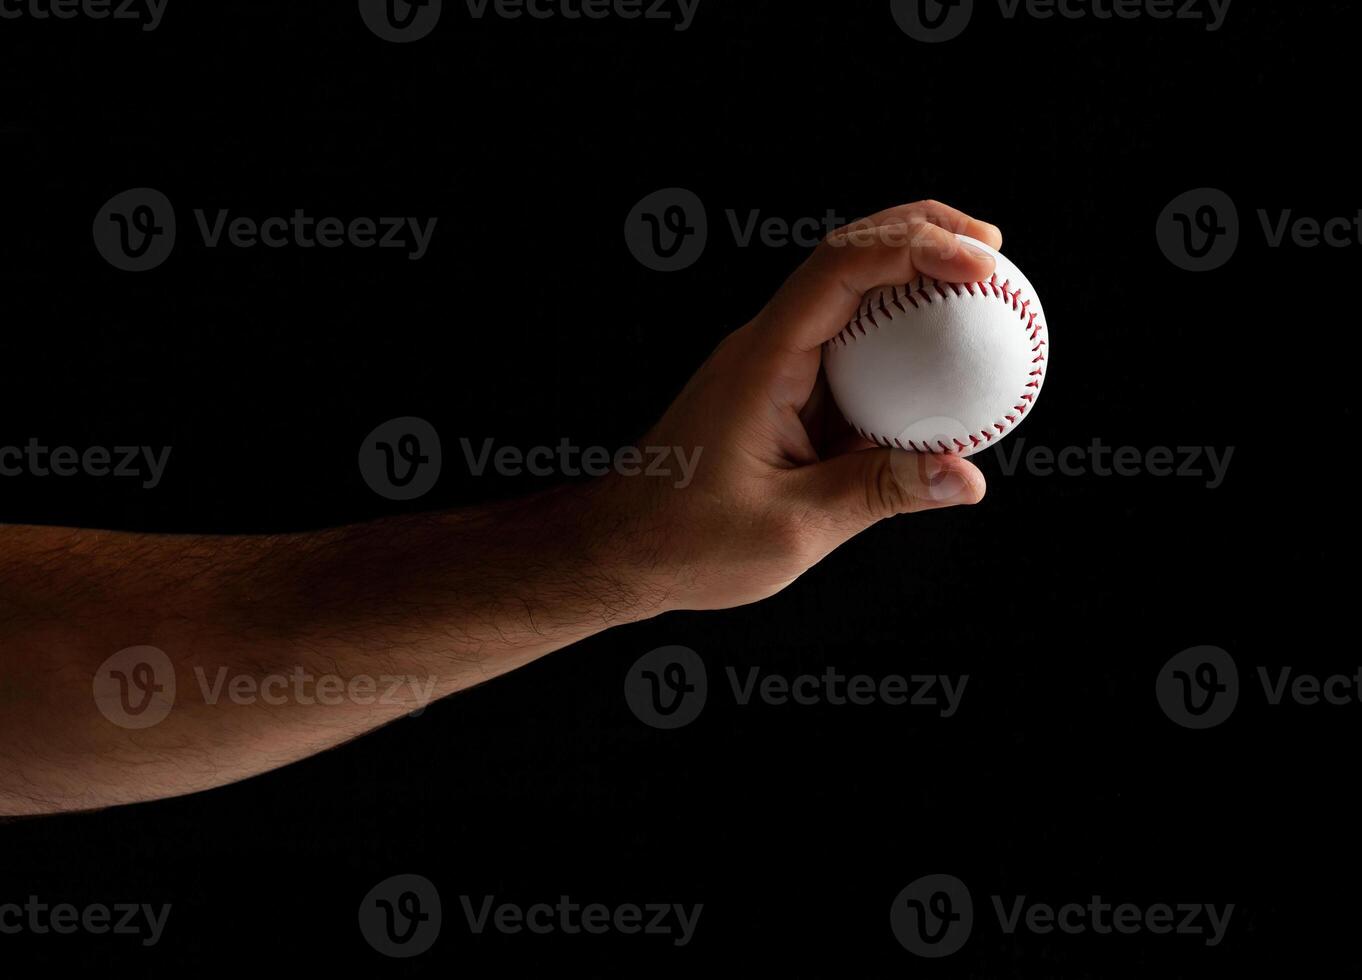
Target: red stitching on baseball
column 1001, row 291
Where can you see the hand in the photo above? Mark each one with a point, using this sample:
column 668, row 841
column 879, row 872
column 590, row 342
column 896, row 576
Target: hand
column 782, row 480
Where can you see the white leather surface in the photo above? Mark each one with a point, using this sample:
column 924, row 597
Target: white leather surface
column 955, row 374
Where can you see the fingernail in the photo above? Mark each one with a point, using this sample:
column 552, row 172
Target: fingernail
column 942, row 481
column 931, row 478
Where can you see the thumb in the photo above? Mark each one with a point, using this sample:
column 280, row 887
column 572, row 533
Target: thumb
column 862, row 488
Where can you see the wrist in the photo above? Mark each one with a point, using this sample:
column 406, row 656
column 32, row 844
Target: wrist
column 623, row 545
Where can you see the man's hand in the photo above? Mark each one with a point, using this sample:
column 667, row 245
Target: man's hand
column 409, row 609
column 782, row 479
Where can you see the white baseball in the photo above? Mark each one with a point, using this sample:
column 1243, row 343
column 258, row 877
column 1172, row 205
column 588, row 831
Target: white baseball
column 934, row 367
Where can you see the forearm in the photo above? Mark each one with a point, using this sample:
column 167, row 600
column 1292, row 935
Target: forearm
column 283, row 646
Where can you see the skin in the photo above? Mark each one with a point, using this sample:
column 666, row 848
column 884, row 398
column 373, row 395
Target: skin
column 451, row 600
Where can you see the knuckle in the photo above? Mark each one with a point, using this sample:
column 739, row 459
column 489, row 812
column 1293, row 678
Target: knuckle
column 888, row 490
column 860, row 232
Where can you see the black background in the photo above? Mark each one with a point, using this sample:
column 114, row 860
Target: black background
column 530, row 321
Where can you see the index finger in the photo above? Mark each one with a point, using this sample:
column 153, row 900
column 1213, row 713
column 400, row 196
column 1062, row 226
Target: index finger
column 885, row 250
column 936, row 213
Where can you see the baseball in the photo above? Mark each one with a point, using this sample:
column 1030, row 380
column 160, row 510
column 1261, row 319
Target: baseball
column 935, row 367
